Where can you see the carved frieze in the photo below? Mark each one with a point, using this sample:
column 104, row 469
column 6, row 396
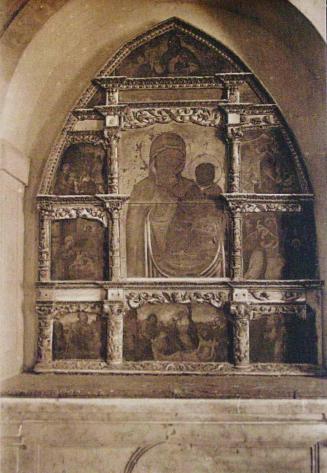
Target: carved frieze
column 264, row 206
column 53, row 211
column 124, row 83
column 204, row 116
column 256, row 311
column 86, row 114
column 216, row 299
column 89, row 136
column 242, row 202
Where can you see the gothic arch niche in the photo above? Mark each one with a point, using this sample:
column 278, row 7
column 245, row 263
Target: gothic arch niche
column 176, row 221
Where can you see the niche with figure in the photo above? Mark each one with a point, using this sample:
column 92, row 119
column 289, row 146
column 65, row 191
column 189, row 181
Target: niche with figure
column 79, row 335
column 278, row 246
column 176, row 220
column 173, row 54
column 283, row 338
column 266, row 164
column 177, row 332
column 78, row 248
column 83, row 170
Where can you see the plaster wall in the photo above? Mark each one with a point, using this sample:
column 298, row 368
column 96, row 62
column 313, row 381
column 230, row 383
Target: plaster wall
column 13, row 178
column 72, row 40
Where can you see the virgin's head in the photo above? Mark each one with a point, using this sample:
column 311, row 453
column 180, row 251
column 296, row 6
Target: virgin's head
column 167, row 156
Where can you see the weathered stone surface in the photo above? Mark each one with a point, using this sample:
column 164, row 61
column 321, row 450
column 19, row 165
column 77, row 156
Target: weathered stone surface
column 165, row 386
column 162, row 435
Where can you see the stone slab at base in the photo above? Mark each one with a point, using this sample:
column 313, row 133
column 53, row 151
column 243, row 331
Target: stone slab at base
column 163, row 435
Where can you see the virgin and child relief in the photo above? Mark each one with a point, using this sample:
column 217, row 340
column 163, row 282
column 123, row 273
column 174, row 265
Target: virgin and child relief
column 176, row 219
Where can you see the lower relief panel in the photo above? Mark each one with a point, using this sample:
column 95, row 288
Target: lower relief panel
column 283, row 338
column 177, row 332
column 79, row 335
column 183, row 332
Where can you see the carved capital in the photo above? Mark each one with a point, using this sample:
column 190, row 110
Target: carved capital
column 112, row 136
column 235, row 134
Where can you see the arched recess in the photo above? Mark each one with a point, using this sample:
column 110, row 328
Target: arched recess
column 176, row 221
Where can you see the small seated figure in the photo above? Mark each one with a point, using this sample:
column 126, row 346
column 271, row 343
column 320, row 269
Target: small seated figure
column 205, row 177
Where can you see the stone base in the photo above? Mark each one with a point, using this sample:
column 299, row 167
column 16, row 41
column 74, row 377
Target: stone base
column 275, row 426
column 163, row 436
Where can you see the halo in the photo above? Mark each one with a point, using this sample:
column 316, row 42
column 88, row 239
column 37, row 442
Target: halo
column 205, row 158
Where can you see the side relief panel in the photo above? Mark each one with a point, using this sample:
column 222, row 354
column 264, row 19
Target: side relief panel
column 78, row 249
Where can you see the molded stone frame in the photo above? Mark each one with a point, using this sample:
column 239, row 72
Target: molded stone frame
column 104, row 123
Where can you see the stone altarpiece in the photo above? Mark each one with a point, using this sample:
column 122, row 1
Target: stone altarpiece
column 176, row 229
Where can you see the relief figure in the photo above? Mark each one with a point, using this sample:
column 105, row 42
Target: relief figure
column 266, row 165
column 178, row 59
column 176, row 333
column 77, row 248
column 78, row 336
column 174, row 53
column 175, row 226
column 263, row 255
column 82, row 171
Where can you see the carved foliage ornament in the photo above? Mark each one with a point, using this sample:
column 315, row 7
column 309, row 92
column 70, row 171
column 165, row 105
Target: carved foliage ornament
column 264, row 206
column 89, row 137
column 141, row 118
column 49, row 211
column 216, row 299
column 54, row 309
column 260, row 310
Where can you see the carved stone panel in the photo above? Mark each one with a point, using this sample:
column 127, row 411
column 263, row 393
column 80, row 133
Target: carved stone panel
column 176, row 333
column 175, row 223
column 138, row 154
column 283, row 338
column 173, row 54
column 78, row 248
column 79, row 335
column 177, row 196
column 266, row 164
column 278, row 246
column 82, row 170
